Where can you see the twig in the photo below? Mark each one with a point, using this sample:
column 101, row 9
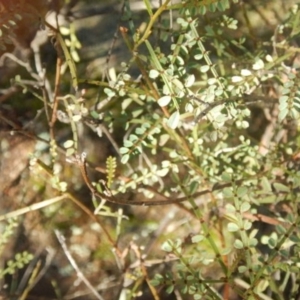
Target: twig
column 7, row 93
column 80, row 160
column 80, row 275
column 137, row 252
column 119, row 199
column 20, row 62
column 24, row 285
column 55, row 97
column 51, row 201
column 111, row 48
column 244, row 99
column 32, row 207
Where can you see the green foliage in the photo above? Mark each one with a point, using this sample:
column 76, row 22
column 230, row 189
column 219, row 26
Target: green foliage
column 181, row 133
column 7, row 233
column 186, row 84
column 21, row 259
column 289, row 102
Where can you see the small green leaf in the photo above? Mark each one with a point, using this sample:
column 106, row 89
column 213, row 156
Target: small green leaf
column 194, row 187
column 242, row 191
column 283, row 106
column 281, row 187
column 204, row 68
column 227, row 177
column 253, row 242
column 164, row 101
column 162, row 172
column 211, row 81
column 247, row 225
column 133, row 137
column 198, row 56
column 125, row 159
column 280, row 229
column 109, row 92
column 242, row 269
column 190, row 80
column 178, row 84
column 230, row 208
column 268, row 199
column 282, row 114
column 174, row 120
column 259, row 64
column 127, row 144
column 155, row 282
column 266, row 184
column 70, row 152
column 197, row 238
column 245, row 207
column 232, row 227
column 170, row 289
column 237, row 78
column 68, row 144
column 283, row 99
column 245, row 72
column 153, row 74
column 272, row 243
column 228, row 192
column 124, row 150
column 238, row 244
column 140, row 130
column 182, row 22
column 167, row 246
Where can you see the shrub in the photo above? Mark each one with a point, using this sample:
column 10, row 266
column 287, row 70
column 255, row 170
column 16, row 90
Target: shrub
column 206, row 135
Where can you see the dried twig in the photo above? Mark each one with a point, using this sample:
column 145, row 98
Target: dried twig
column 72, row 261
